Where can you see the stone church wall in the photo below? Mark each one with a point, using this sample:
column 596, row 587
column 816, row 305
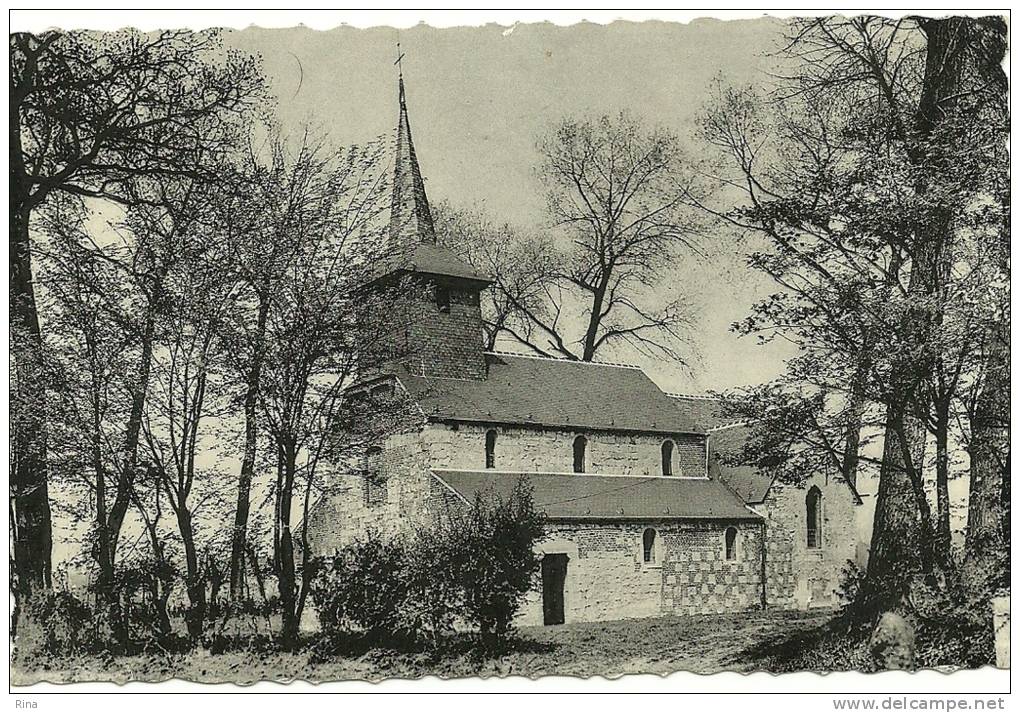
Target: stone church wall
column 608, row 579
column 351, row 507
column 798, row 577
column 532, row 449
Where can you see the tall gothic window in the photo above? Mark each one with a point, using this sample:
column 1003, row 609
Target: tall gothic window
column 814, row 518
column 648, row 545
column 731, row 543
column 667, row 457
column 490, row 448
column 580, row 446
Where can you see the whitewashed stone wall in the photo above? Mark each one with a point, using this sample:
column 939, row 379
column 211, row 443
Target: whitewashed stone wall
column 798, row 577
column 607, row 577
column 533, row 449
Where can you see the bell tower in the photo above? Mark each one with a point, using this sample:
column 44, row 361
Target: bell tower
column 443, row 332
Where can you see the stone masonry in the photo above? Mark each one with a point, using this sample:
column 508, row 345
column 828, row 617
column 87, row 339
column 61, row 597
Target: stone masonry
column 799, row 577
column 535, row 449
column 608, row 579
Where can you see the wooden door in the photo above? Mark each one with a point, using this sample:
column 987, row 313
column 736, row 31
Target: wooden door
column 554, row 577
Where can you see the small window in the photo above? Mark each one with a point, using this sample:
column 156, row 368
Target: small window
column 731, row 543
column 375, row 481
column 580, row 446
column 667, row 457
column 443, row 298
column 814, row 518
column 648, row 545
column 490, row 448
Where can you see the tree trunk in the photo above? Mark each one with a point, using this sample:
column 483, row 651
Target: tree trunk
column 106, row 594
column 240, row 534
column 32, row 526
column 896, row 530
column 898, row 541
column 127, row 475
column 986, row 562
column 287, row 575
column 943, row 529
column 855, row 414
column 592, row 331
column 194, row 582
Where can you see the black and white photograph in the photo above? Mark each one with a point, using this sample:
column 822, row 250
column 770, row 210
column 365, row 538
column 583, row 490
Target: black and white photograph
column 350, row 352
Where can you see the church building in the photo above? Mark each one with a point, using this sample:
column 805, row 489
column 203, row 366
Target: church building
column 644, row 516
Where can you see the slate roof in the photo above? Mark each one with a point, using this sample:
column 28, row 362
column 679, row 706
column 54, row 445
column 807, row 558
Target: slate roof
column 607, row 497
column 412, row 230
column 431, row 259
column 706, row 411
column 555, row 393
column 745, row 480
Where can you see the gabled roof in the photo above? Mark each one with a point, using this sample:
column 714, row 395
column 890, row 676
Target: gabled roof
column 555, row 393
column 745, row 480
column 606, row 497
column 706, row 411
column 412, row 232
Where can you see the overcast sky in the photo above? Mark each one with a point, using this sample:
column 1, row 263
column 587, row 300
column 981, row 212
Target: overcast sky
column 479, row 97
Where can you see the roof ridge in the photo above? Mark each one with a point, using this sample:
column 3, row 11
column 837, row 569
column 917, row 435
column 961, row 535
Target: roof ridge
column 697, row 397
column 724, row 426
column 621, row 365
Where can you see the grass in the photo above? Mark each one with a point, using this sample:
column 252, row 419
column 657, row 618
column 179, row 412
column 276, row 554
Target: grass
column 733, row 642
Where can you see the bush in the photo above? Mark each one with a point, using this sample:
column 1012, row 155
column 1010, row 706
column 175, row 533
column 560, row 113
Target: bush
column 57, row 623
column 364, row 587
column 498, row 564
column 477, row 566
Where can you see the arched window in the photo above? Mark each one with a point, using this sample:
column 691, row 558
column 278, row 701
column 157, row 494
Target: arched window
column 580, row 445
column 814, row 518
column 667, row 457
column 490, row 448
column 731, row 543
column 648, row 545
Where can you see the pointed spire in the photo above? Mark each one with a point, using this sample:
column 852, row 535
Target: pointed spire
column 410, row 217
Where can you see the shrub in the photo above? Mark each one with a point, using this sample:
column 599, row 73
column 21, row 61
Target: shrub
column 477, row 566
column 57, row 623
column 364, row 587
column 434, row 598
column 497, row 563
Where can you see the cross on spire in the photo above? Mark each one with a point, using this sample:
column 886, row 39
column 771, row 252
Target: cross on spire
column 400, row 56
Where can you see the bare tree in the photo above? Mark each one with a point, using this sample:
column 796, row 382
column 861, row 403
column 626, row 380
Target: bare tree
column 521, row 265
column 90, row 115
column 617, row 193
column 187, row 392
column 324, row 330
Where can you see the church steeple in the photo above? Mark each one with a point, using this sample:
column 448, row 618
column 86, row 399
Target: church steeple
column 443, row 333
column 410, row 217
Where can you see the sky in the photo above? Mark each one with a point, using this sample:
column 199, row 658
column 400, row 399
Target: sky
column 478, row 99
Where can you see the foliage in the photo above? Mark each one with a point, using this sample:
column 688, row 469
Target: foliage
column 364, row 587
column 57, row 623
column 498, row 562
column 476, row 567
column 873, row 175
